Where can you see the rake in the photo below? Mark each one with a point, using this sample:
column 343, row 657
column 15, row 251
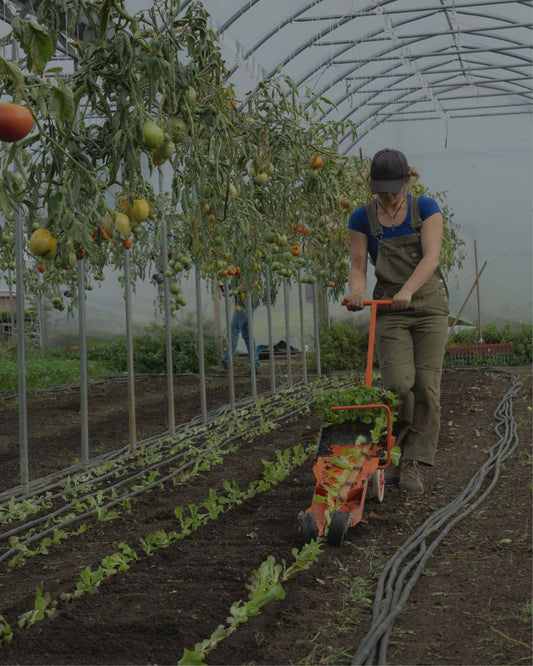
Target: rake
column 481, row 352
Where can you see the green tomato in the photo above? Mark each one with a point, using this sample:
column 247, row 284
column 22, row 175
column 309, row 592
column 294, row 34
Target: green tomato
column 261, row 178
column 153, row 135
column 190, row 96
column 166, row 150
column 176, row 127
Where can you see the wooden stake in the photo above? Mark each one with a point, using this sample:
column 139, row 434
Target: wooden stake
column 479, row 325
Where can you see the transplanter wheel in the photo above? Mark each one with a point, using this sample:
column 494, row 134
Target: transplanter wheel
column 377, row 485
column 337, row 528
column 307, row 526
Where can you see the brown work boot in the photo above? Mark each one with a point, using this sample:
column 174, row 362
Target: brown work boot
column 411, row 477
column 392, row 475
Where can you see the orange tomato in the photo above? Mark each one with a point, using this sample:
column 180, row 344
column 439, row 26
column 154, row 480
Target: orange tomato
column 127, row 243
column 315, row 161
column 16, row 121
column 296, row 250
column 345, row 203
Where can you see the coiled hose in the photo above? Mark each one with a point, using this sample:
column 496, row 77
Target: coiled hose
column 404, row 568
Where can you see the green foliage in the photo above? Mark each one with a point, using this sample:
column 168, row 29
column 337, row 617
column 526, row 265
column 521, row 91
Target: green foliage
column 352, row 395
column 357, row 395
column 150, row 351
column 109, row 357
column 492, row 334
column 43, row 369
column 112, row 354
column 342, row 347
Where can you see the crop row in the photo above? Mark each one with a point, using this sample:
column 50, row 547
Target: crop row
column 108, row 490
column 189, row 519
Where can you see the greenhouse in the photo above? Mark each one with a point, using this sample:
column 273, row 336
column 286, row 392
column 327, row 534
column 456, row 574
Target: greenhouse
column 191, row 325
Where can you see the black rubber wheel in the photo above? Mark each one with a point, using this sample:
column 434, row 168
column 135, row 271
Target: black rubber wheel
column 307, row 526
column 337, row 528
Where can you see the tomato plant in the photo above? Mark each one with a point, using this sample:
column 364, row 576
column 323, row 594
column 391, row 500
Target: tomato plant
column 150, row 92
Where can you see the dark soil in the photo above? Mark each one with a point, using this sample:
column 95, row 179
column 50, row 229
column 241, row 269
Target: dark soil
column 471, row 606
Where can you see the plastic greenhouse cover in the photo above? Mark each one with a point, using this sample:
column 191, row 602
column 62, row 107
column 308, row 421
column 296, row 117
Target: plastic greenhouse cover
column 447, row 81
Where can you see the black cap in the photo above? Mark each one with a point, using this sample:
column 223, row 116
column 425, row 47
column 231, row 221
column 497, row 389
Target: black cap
column 388, row 171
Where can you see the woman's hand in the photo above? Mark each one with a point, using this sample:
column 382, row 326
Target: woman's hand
column 353, row 302
column 401, row 300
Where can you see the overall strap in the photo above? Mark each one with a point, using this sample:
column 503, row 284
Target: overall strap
column 416, row 220
column 375, row 226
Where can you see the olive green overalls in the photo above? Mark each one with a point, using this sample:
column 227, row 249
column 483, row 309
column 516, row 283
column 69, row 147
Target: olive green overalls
column 410, row 343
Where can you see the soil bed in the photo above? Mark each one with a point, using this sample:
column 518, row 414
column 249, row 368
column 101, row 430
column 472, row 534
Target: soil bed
column 471, row 606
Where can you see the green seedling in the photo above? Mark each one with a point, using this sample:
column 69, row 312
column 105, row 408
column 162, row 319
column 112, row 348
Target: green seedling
column 6, row 633
column 266, row 585
column 40, row 610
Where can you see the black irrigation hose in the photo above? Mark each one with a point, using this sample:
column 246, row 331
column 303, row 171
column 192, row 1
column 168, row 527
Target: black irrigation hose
column 392, row 591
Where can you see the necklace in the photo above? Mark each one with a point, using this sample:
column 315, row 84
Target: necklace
column 392, row 218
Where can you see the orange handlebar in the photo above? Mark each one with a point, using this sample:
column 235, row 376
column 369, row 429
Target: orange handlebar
column 384, row 302
column 371, row 335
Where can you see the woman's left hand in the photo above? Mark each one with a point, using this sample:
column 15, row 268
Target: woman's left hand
column 401, row 300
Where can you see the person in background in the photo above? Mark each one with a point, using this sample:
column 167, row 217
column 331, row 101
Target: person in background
column 239, row 326
column 402, row 235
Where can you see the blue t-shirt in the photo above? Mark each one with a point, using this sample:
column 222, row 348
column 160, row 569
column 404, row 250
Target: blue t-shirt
column 359, row 222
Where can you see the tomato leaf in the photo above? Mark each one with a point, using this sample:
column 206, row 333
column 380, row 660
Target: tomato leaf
column 35, row 42
column 62, row 105
column 9, row 69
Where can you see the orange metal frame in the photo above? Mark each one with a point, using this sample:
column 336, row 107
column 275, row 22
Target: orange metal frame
column 350, row 496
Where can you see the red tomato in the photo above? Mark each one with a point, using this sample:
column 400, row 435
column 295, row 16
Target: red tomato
column 41, row 268
column 16, row 121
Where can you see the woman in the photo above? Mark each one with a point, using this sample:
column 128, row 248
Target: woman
column 403, row 236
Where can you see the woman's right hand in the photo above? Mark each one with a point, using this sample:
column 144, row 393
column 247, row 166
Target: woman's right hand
column 353, row 302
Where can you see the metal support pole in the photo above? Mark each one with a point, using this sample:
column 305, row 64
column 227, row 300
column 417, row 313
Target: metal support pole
column 302, row 330
column 229, row 346
column 268, row 295
column 21, row 354
column 250, row 317
column 11, row 302
column 287, row 329
column 168, row 322
column 82, row 334
column 40, row 310
column 317, row 331
column 201, row 360
column 129, row 347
